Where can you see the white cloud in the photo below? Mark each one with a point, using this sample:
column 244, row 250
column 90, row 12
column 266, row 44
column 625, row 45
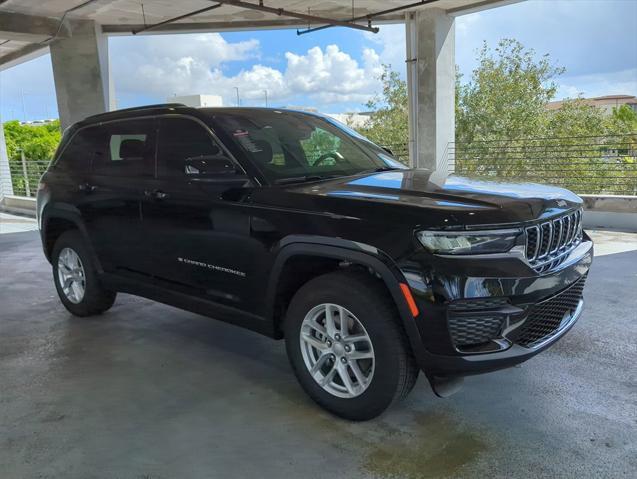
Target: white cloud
column 598, row 84
column 391, row 41
column 169, row 65
column 191, row 64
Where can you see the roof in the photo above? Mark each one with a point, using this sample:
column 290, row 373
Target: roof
column 168, row 108
column 615, row 97
column 600, row 101
column 28, row 26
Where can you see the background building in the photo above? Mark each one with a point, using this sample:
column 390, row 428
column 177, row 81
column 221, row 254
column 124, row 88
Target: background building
column 606, row 103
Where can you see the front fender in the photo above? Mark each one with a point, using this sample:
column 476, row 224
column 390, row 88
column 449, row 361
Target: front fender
column 353, row 252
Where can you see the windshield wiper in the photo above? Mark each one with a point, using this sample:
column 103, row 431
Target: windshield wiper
column 302, row 179
column 383, row 168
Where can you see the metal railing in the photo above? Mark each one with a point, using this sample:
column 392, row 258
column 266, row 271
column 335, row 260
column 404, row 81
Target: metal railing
column 25, row 175
column 586, row 165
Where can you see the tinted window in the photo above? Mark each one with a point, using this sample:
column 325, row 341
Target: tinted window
column 78, row 154
column 128, row 149
column 180, row 139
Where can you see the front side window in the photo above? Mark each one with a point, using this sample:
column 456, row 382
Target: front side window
column 129, row 149
column 181, row 143
column 286, row 146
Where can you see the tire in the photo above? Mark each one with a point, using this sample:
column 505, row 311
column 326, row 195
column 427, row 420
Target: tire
column 388, row 376
column 95, row 299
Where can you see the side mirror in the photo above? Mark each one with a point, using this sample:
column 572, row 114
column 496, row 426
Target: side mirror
column 208, row 166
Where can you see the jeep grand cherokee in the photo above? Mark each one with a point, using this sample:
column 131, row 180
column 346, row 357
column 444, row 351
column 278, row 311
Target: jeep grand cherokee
column 295, row 226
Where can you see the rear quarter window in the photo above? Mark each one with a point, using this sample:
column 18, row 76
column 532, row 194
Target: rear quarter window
column 78, row 154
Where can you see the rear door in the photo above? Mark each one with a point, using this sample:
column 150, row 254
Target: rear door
column 123, row 168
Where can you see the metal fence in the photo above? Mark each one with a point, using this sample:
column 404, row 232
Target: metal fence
column 585, row 165
column 25, row 175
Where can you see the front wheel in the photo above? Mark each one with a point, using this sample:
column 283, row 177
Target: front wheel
column 346, row 345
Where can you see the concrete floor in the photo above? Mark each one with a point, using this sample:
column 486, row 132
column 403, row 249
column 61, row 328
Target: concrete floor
column 16, row 224
column 148, row 391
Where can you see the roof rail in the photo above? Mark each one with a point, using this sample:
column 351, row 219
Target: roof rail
column 138, row 108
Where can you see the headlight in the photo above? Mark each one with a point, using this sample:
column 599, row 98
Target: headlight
column 468, row 242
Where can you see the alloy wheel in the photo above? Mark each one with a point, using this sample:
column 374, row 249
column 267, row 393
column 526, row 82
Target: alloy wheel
column 71, row 275
column 337, row 350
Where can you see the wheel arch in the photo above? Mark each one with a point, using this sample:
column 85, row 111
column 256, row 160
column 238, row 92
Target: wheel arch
column 339, row 252
column 56, row 220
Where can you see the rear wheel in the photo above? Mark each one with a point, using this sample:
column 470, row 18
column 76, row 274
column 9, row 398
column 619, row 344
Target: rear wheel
column 76, row 279
column 346, row 345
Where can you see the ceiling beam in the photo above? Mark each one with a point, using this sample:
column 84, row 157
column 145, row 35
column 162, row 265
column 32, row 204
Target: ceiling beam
column 22, row 55
column 30, row 28
column 260, row 7
column 174, row 19
column 370, row 16
column 479, row 6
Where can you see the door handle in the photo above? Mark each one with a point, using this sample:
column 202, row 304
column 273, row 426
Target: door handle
column 157, row 194
column 86, row 187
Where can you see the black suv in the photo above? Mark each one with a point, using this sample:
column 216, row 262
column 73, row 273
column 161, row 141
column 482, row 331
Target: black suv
column 295, row 226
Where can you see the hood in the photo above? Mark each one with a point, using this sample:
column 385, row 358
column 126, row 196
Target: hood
column 464, row 200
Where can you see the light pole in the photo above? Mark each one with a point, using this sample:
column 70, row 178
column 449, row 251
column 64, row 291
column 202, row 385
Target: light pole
column 238, row 100
column 266, row 97
column 24, row 110
column 25, row 173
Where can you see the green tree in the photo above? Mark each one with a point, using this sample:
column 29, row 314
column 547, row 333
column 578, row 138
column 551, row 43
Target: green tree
column 38, row 143
column 507, row 94
column 319, row 143
column 388, row 124
column 623, row 120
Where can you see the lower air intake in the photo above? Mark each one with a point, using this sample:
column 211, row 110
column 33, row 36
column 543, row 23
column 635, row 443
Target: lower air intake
column 548, row 317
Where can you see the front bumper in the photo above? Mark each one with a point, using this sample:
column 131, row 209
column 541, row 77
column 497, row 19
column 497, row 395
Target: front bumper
column 478, row 293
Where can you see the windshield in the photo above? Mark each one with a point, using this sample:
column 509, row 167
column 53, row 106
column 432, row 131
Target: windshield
column 288, row 146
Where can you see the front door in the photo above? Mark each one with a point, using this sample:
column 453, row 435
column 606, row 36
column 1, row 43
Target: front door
column 198, row 232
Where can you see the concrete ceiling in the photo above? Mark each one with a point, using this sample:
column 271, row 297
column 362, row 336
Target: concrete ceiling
column 27, row 26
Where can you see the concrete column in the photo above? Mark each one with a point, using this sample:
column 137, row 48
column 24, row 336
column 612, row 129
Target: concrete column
column 80, row 72
column 6, row 187
column 431, row 80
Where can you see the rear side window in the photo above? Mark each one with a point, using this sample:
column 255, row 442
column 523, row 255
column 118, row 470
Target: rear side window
column 181, row 139
column 77, row 156
column 129, row 149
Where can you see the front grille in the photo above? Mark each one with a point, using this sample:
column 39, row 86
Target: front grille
column 546, row 318
column 548, row 243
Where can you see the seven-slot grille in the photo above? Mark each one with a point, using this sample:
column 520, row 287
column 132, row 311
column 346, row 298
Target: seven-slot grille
column 548, row 243
column 547, row 318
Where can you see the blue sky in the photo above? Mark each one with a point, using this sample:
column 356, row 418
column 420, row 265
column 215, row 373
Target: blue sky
column 335, row 70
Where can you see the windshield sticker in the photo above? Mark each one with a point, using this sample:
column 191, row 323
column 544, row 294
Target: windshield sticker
column 248, row 144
